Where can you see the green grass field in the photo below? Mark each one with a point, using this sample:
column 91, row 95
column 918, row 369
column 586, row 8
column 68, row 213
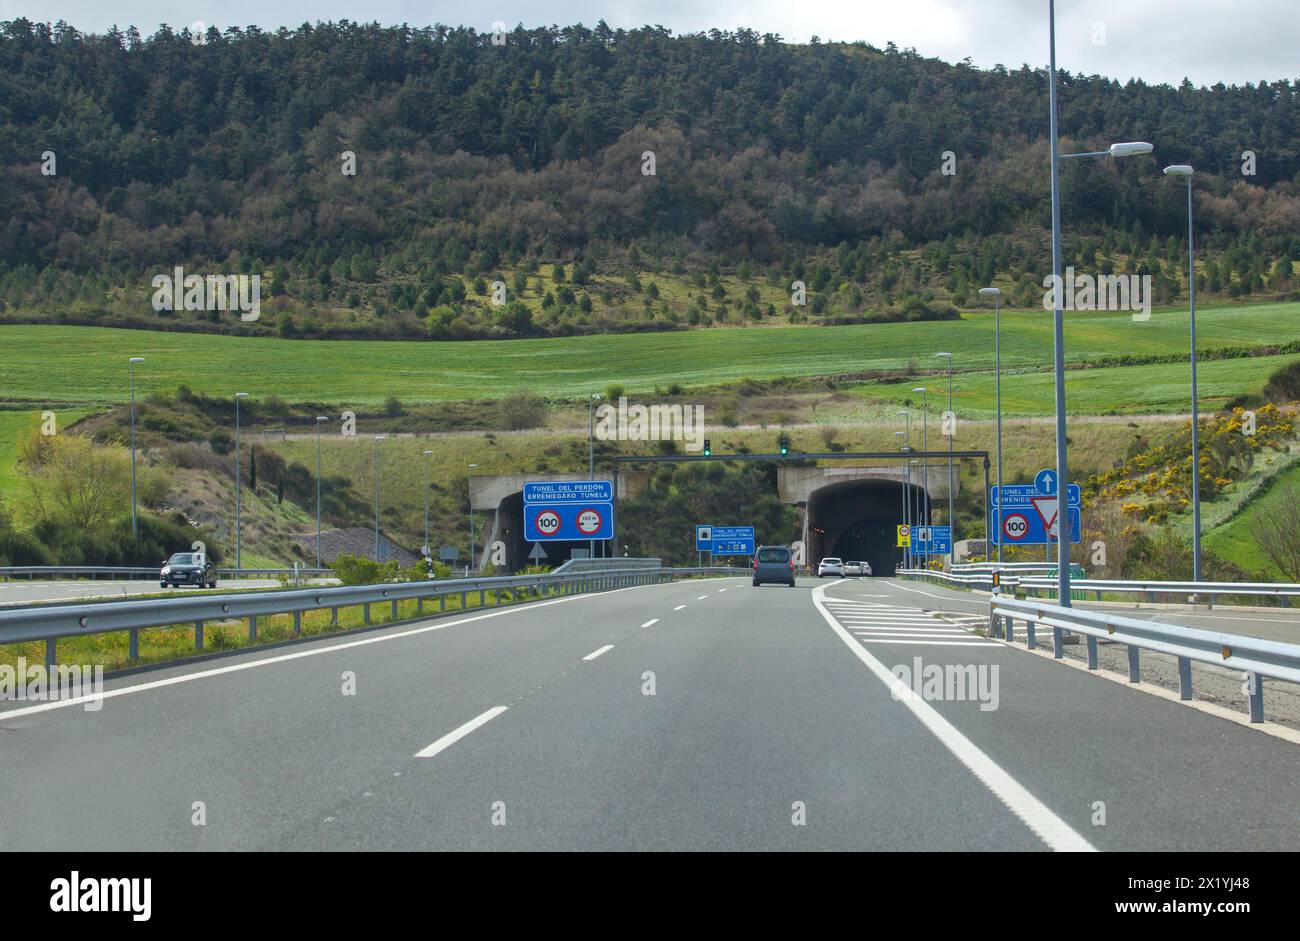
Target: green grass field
column 52, row 364
column 1119, row 389
column 1233, row 540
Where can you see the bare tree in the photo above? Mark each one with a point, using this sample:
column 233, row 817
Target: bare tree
column 1277, row 532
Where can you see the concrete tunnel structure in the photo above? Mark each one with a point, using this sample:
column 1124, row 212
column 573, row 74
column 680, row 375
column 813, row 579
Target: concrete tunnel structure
column 848, row 512
column 852, row 512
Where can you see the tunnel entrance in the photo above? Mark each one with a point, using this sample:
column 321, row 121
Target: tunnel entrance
column 856, row 519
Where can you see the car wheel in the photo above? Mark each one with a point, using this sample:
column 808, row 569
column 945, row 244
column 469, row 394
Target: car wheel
column 755, row 584
column 792, row 583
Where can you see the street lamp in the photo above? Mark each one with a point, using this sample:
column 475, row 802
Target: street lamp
column 238, row 484
column 591, row 460
column 1184, row 171
column 427, row 550
column 925, row 461
column 952, row 419
column 907, row 506
column 320, row 420
column 378, row 439
column 471, row 520
column 135, row 525
column 996, row 294
column 903, row 450
column 1126, row 149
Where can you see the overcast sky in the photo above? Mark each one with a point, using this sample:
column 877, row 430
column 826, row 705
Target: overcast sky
column 1208, row 41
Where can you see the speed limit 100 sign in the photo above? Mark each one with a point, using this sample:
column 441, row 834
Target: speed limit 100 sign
column 1015, row 526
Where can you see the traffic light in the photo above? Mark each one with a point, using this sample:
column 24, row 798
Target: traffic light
column 785, row 445
column 708, row 448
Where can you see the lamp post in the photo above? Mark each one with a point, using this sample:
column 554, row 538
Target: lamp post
column 135, row 525
column 903, row 450
column 378, row 439
column 1185, row 171
column 427, row 549
column 1058, row 323
column 907, row 467
column 591, row 460
column 916, row 514
column 320, row 420
column 925, row 461
column 996, row 294
column 952, row 428
column 239, row 481
column 471, row 520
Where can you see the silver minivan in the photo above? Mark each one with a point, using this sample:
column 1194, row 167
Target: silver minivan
column 774, row 564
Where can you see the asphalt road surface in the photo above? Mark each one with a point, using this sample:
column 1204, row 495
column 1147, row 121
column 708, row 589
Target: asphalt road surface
column 22, row 591
column 699, row 715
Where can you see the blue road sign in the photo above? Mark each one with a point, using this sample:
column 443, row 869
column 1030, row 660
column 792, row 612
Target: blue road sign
column 568, row 510
column 704, row 538
column 569, row 491
column 931, row 540
column 733, row 540
column 1026, row 526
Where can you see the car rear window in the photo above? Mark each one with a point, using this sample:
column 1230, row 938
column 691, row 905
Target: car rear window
column 832, row 560
column 182, row 559
column 773, row 555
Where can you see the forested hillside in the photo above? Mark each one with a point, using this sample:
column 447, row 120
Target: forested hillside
column 527, row 163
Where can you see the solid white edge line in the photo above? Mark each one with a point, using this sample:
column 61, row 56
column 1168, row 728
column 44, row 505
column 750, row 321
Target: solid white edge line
column 451, row 738
column 651, row 623
column 6, row 714
column 1051, row 829
column 597, row 652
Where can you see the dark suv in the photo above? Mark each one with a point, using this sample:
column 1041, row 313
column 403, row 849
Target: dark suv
column 188, row 568
column 774, row 564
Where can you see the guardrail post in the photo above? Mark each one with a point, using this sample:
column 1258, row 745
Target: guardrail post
column 1134, row 666
column 1008, row 627
column 1256, row 697
column 1058, row 643
column 1098, row 594
column 482, row 598
column 442, row 602
column 1151, row 597
column 133, row 644
column 1184, row 678
column 1031, row 638
column 394, row 617
column 365, row 612
column 1092, row 652
column 51, row 652
column 463, row 597
column 198, row 635
column 419, row 606
column 334, row 617
column 297, row 623
column 252, row 627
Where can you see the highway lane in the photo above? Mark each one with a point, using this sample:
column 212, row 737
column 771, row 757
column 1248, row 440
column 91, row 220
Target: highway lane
column 541, row 735
column 36, row 591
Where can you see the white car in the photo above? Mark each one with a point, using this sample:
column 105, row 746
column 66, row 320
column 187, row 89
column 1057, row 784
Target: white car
column 830, row 566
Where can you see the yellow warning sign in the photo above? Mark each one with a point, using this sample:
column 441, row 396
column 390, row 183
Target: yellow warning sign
column 904, row 536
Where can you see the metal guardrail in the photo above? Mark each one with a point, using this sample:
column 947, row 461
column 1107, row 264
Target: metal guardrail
column 612, row 562
column 132, row 571
column 1257, row 658
column 1151, row 590
column 51, row 622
